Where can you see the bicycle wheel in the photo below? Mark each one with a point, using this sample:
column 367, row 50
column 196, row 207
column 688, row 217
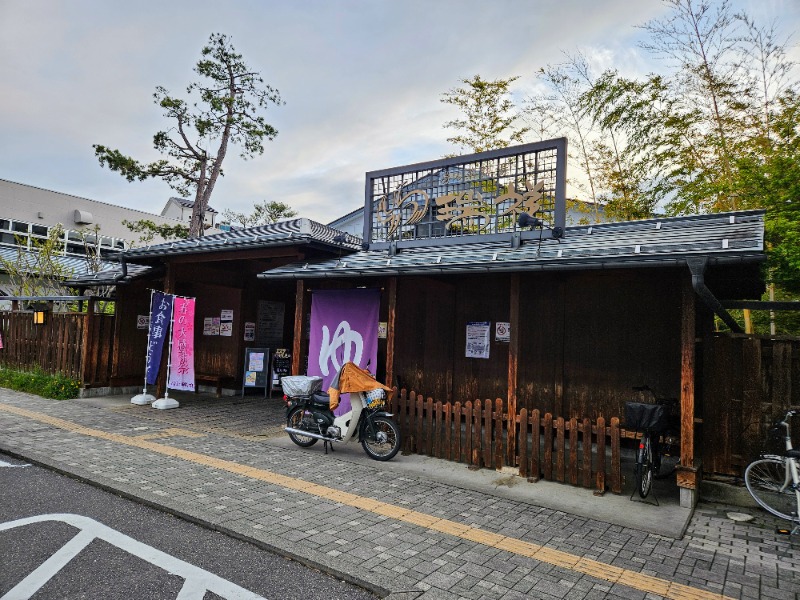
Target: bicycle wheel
column 644, row 467
column 765, row 479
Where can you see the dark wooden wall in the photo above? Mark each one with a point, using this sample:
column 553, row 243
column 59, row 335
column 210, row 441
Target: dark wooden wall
column 586, row 338
column 130, row 343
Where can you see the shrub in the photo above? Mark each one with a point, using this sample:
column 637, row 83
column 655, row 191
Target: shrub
column 36, row 381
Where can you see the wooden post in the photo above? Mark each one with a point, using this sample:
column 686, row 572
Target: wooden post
column 688, row 473
column 513, row 369
column 299, row 312
column 87, row 358
column 390, row 330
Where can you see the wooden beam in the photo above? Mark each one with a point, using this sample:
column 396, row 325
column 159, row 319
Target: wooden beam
column 513, row 368
column 688, row 477
column 299, row 312
column 390, row 330
column 289, row 252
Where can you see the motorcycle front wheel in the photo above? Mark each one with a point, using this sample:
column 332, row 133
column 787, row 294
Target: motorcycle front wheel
column 382, row 440
column 299, row 419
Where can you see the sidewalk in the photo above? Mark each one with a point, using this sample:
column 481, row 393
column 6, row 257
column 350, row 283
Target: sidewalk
column 412, row 528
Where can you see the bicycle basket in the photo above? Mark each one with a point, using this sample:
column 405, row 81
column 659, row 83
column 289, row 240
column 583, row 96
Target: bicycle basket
column 640, row 416
column 375, row 398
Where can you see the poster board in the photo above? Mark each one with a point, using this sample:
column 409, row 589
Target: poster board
column 256, row 369
column 281, row 367
column 269, row 323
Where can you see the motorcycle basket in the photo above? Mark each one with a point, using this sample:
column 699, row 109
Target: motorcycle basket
column 300, row 385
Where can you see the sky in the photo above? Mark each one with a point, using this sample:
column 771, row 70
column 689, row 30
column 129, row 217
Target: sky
column 361, row 80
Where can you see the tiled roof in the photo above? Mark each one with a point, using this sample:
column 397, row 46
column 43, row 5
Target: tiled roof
column 76, row 267
column 189, row 203
column 721, row 238
column 284, row 233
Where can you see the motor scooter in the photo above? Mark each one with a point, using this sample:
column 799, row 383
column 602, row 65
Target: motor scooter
column 310, row 418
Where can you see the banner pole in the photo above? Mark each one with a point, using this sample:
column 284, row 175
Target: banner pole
column 144, row 397
column 166, row 401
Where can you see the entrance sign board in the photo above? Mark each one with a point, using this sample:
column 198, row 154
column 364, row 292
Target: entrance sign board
column 476, row 194
column 256, row 369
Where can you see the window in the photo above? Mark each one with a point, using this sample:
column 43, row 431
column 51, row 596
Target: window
column 39, row 230
column 20, row 227
column 5, row 224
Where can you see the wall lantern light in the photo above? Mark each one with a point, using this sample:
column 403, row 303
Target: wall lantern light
column 39, row 311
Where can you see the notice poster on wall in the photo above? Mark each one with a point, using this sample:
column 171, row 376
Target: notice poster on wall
column 207, row 329
column 142, row 321
column 226, row 315
column 478, row 339
column 502, row 332
column 226, row 328
column 249, row 332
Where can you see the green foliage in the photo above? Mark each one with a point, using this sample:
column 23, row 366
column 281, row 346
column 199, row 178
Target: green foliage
column 769, row 177
column 488, row 115
column 36, row 381
column 38, row 272
column 264, row 213
column 229, row 99
column 148, row 231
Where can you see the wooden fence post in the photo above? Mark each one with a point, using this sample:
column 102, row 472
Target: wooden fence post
column 548, row 447
column 560, row 449
column 535, row 471
column 457, row 431
column 420, row 425
column 573, row 451
column 468, row 432
column 600, row 479
column 587, row 453
column 498, row 435
column 522, row 443
column 476, row 433
column 616, row 475
column 429, row 426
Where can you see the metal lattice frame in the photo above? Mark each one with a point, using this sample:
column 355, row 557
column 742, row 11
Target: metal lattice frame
column 477, row 194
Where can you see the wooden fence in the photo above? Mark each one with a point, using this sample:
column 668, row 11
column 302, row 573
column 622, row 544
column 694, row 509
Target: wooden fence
column 77, row 345
column 749, row 383
column 476, row 433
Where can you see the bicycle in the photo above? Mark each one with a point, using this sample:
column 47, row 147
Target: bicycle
column 653, row 421
column 774, row 480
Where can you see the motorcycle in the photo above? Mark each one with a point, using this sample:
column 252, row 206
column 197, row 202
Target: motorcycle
column 310, row 418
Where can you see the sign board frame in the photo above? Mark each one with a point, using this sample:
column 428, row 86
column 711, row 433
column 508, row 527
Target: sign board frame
column 259, row 373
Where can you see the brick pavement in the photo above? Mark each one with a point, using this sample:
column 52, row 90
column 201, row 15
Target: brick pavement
column 406, row 535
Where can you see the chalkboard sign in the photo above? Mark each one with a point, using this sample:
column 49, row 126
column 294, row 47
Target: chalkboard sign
column 281, row 366
column 256, row 368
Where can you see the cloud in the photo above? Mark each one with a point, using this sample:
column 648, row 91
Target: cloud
column 362, row 80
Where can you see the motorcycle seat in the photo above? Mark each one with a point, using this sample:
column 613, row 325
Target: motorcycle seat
column 322, row 399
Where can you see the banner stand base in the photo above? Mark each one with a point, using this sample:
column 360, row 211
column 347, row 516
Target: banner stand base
column 143, row 398
column 165, row 403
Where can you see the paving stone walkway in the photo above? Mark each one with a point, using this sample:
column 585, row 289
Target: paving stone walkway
column 401, row 535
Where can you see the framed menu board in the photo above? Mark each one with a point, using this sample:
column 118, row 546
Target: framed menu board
column 256, row 369
column 281, row 366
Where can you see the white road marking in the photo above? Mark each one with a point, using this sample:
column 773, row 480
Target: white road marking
column 8, row 464
column 198, row 581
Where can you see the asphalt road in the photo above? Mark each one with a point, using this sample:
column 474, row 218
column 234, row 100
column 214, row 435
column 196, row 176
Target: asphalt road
column 132, row 552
